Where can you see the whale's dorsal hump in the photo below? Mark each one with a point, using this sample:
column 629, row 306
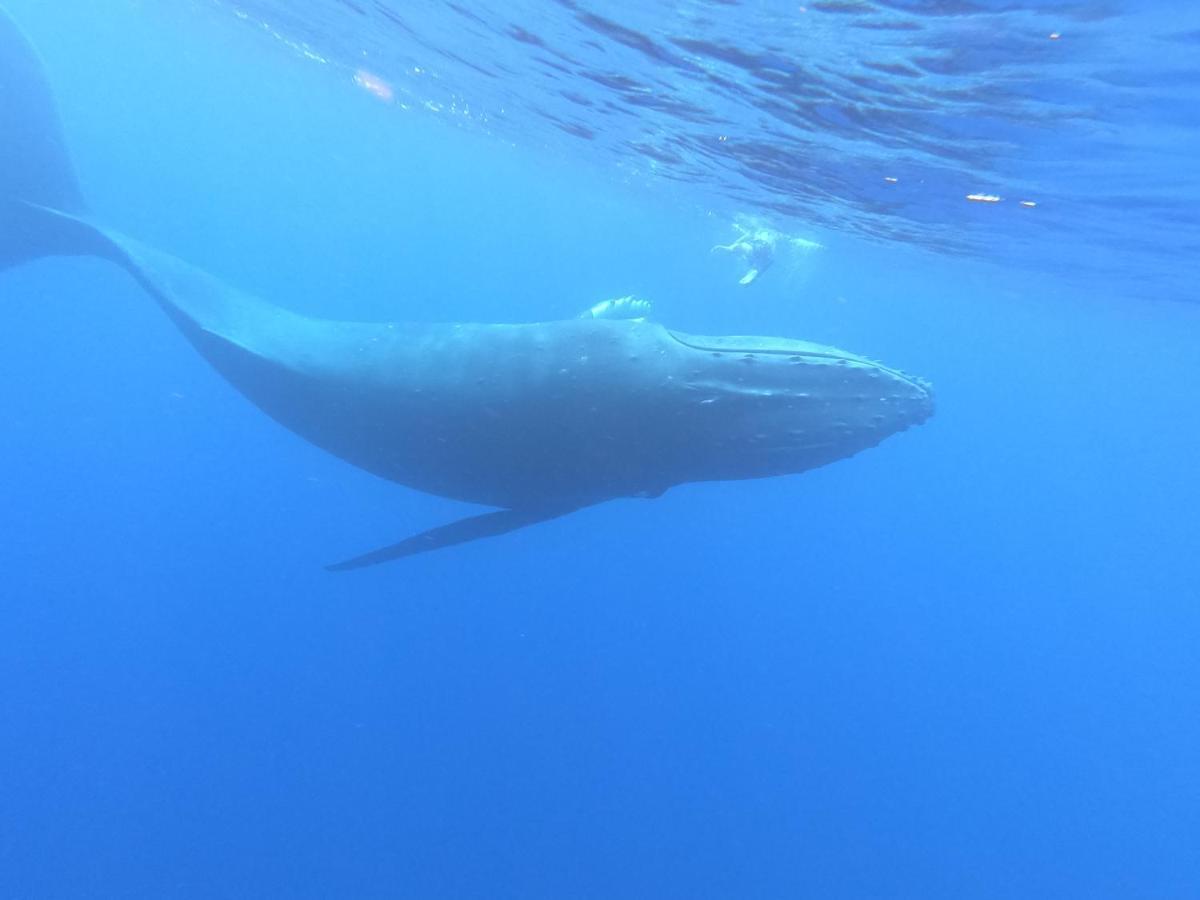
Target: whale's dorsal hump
column 629, row 307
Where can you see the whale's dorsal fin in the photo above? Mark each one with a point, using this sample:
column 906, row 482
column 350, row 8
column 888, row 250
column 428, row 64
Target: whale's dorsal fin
column 629, row 307
column 469, row 529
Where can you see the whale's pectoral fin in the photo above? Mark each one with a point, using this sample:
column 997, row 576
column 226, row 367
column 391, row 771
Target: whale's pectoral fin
column 470, row 529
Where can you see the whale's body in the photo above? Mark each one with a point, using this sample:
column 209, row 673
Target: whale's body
column 536, row 419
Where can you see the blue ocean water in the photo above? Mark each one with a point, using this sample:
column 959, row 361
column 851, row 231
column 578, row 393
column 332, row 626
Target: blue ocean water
column 961, row 664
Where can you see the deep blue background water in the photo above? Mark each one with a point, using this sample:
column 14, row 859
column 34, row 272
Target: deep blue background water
column 962, row 664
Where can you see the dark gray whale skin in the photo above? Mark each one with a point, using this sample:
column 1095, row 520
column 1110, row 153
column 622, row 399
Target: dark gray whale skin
column 537, row 419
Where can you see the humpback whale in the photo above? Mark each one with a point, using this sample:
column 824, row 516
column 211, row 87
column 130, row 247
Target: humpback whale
column 536, row 420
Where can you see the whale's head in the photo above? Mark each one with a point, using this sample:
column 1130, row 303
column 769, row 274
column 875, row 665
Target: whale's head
column 753, row 407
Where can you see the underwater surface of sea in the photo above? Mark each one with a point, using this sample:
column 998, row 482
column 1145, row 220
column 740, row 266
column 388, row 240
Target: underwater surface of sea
column 962, row 664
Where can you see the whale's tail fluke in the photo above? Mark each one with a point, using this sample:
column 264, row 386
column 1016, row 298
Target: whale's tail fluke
column 42, row 211
column 35, row 168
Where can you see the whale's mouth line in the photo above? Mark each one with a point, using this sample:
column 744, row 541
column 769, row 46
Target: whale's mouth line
column 918, row 383
column 757, row 351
